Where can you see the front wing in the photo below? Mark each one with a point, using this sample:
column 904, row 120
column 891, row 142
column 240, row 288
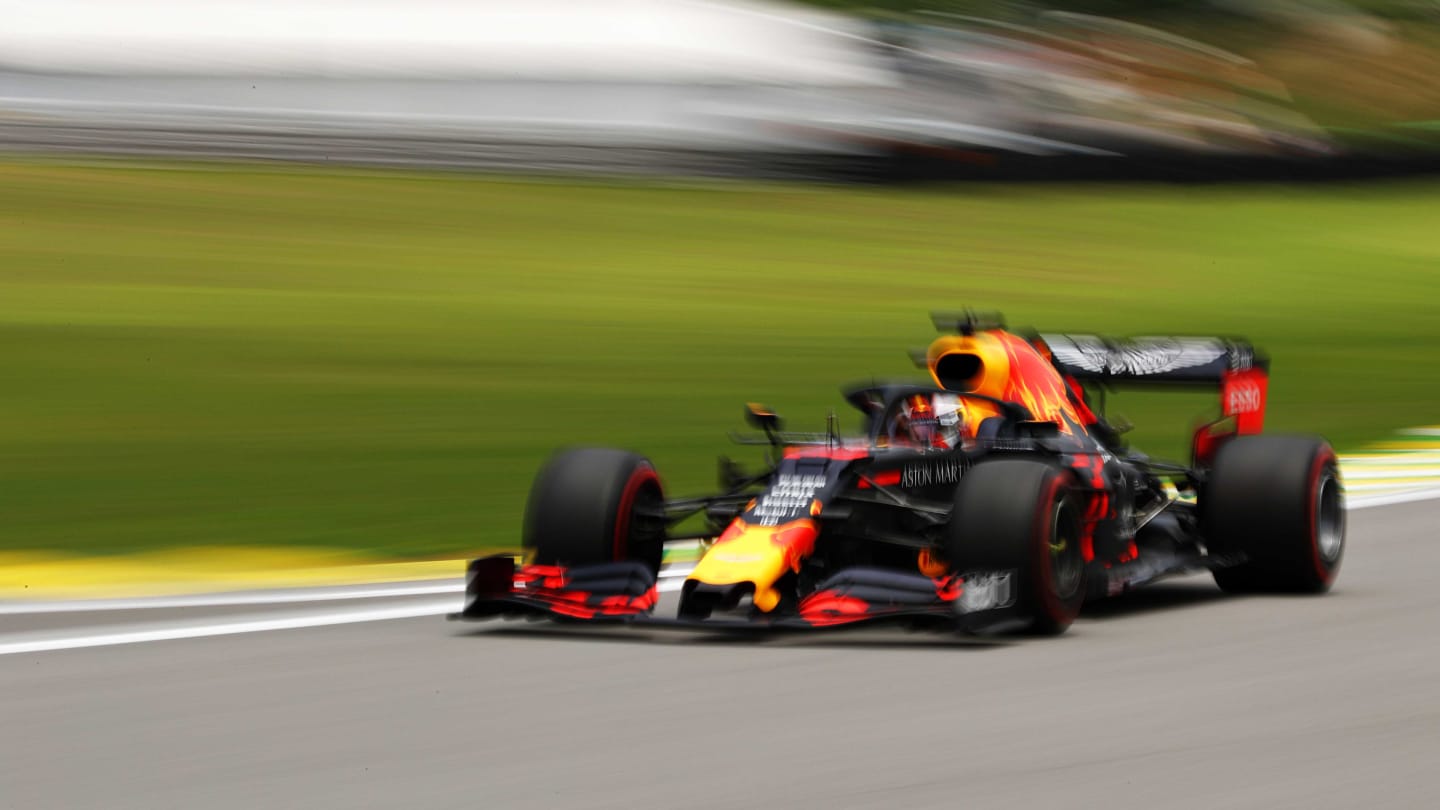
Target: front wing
column 627, row 592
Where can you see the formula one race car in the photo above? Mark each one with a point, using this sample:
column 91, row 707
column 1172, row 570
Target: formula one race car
column 993, row 500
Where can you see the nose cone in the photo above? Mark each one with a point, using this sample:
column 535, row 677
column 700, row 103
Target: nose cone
column 758, row 555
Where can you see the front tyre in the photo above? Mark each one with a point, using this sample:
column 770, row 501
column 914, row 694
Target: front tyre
column 1276, row 503
column 1023, row 516
column 596, row 505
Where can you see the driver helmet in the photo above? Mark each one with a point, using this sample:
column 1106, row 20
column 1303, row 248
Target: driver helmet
column 934, row 421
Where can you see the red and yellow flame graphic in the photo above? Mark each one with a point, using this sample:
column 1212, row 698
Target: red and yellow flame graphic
column 759, row 555
column 1007, row 367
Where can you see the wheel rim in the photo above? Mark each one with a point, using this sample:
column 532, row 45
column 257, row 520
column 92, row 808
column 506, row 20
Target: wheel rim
column 1329, row 520
column 1067, row 566
column 646, row 540
column 639, row 532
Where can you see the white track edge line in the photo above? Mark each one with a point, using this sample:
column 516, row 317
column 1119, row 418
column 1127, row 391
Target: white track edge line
column 226, row 628
column 1391, row 498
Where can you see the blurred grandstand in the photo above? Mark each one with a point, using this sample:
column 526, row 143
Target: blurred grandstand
column 635, row 86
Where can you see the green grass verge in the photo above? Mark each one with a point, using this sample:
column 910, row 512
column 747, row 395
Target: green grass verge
column 233, row 355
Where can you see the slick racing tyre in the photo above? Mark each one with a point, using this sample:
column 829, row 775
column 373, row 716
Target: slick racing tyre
column 1022, row 516
column 596, row 505
column 1274, row 502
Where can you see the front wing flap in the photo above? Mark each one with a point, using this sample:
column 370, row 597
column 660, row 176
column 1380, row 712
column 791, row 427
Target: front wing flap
column 495, row 586
column 978, row 602
column 864, row 594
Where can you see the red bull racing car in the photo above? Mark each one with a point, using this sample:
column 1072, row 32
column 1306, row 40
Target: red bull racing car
column 992, row 498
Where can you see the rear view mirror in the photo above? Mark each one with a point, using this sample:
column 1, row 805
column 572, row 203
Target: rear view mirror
column 761, row 417
column 732, row 478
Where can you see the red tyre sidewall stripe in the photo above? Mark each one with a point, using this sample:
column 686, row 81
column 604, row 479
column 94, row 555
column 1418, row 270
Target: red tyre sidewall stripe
column 1317, row 469
column 642, row 476
column 1050, row 602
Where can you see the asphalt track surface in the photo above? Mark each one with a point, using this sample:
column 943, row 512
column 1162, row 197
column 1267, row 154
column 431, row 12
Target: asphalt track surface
column 1177, row 696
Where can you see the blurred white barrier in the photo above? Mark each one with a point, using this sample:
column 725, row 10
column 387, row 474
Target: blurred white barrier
column 639, row 73
column 616, row 40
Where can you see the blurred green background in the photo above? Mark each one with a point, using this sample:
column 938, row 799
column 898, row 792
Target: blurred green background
column 220, row 355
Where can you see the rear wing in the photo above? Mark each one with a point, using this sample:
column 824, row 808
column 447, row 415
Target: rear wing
column 1233, row 366
column 1163, row 360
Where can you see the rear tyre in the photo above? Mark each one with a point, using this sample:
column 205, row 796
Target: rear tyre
column 1276, row 502
column 1023, row 516
column 596, row 505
